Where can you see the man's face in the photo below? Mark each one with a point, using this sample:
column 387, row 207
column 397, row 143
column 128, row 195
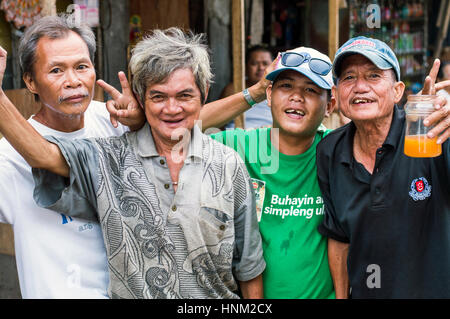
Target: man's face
column 63, row 75
column 365, row 92
column 257, row 63
column 172, row 105
column 298, row 104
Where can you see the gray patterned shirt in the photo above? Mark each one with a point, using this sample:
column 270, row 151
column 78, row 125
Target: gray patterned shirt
column 194, row 243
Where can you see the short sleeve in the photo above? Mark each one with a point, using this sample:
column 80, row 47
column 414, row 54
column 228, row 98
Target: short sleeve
column 74, row 196
column 248, row 261
column 330, row 226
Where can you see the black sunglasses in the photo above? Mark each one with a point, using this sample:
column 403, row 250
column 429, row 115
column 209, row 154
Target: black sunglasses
column 293, row 59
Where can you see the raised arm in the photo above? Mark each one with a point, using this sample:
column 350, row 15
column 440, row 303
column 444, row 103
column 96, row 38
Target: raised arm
column 37, row 151
column 220, row 112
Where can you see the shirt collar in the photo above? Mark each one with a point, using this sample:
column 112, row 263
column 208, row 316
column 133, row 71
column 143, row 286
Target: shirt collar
column 395, row 133
column 146, row 144
column 396, row 130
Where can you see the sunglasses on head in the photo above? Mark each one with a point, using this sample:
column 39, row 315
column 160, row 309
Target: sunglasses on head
column 294, row 59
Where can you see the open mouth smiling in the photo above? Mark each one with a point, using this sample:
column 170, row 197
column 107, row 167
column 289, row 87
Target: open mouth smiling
column 294, row 113
column 361, row 101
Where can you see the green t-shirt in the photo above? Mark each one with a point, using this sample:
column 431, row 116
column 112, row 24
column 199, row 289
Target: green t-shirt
column 289, row 207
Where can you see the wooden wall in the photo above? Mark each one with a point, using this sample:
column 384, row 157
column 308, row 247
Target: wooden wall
column 161, row 14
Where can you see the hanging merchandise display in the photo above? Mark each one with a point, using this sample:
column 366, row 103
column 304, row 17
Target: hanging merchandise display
column 22, row 13
column 89, row 10
column 403, row 26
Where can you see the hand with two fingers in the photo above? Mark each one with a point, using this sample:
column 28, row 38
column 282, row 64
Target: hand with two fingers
column 440, row 118
column 123, row 107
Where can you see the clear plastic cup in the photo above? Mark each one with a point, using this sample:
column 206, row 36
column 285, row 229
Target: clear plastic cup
column 417, row 144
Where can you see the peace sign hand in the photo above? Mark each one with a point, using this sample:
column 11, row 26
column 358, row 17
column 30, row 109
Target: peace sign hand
column 440, row 118
column 123, row 107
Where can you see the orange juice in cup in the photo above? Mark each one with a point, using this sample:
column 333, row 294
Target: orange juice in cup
column 417, row 143
column 422, row 146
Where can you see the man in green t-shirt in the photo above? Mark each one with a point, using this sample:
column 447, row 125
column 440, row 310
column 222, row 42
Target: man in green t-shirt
column 282, row 163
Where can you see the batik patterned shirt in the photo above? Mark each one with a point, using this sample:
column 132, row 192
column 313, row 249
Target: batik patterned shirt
column 192, row 243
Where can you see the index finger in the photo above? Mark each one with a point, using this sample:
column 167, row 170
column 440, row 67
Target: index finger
column 126, row 89
column 429, row 86
column 109, row 89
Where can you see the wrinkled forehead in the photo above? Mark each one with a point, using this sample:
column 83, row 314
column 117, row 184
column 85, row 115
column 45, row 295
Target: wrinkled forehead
column 356, row 60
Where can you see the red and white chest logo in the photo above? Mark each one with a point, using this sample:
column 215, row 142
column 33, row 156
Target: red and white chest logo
column 420, row 186
column 420, row 189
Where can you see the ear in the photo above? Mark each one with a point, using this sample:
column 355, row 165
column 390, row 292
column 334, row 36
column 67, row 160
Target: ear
column 333, row 102
column 30, row 83
column 269, row 95
column 331, row 105
column 399, row 89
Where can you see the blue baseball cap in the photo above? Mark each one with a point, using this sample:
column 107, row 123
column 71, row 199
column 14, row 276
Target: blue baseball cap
column 378, row 52
column 323, row 81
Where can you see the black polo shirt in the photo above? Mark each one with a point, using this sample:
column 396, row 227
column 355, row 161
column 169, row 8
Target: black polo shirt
column 397, row 220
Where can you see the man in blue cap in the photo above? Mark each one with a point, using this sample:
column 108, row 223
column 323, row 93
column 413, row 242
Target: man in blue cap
column 383, row 242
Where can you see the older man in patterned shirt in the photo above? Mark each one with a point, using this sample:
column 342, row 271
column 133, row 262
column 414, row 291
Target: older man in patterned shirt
column 176, row 208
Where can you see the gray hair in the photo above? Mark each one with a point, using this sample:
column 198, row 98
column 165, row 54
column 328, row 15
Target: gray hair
column 53, row 27
column 158, row 55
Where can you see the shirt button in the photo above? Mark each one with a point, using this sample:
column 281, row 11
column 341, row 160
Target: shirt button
column 162, row 162
column 174, row 208
column 166, row 186
column 222, row 227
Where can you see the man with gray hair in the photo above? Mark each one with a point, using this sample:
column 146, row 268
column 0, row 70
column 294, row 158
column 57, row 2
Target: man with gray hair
column 57, row 256
column 176, row 208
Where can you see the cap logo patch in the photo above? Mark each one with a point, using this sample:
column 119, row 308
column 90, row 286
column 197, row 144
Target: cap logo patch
column 360, row 42
column 420, row 189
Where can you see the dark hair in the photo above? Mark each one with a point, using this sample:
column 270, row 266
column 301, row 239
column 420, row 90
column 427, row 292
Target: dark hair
column 53, row 27
column 257, row 48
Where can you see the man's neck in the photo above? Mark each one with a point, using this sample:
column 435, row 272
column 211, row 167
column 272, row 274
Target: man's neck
column 172, row 148
column 290, row 144
column 369, row 137
column 59, row 121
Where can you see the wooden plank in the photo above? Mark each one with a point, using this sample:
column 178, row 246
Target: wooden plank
column 443, row 22
column 161, row 14
column 6, row 240
column 48, row 7
column 24, row 101
column 238, row 36
column 333, row 28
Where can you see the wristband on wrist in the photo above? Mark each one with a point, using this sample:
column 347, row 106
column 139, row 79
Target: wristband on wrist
column 248, row 97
